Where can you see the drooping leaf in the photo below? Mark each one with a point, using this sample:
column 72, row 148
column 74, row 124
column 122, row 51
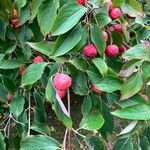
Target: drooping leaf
column 40, row 142
column 33, row 73
column 2, row 142
column 132, row 85
column 67, row 18
column 136, row 112
column 47, row 14
column 93, row 121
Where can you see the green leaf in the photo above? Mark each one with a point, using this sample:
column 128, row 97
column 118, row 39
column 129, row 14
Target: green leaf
column 87, row 105
column 123, row 144
column 66, row 42
column 117, row 3
column 68, row 16
column 132, row 85
column 94, row 143
column 137, row 52
column 41, row 142
column 33, row 73
column 17, row 106
column 136, row 112
column 98, row 38
column 47, row 14
column 51, row 96
column 146, row 69
column 2, row 142
column 101, row 65
column 35, row 8
column 44, row 47
column 3, row 26
column 93, row 121
column 109, row 84
column 20, row 3
column 79, row 63
column 10, row 64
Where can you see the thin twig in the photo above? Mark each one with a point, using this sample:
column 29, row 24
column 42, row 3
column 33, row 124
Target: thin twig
column 65, row 139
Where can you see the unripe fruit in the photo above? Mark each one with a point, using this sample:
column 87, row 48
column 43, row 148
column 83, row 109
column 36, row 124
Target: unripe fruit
column 81, row 2
column 61, row 94
column 117, row 27
column 90, row 51
column 21, row 70
column 94, row 88
column 62, row 82
column 15, row 14
column 38, row 59
column 122, row 48
column 14, row 23
column 115, row 13
column 9, row 97
column 105, row 34
column 112, row 50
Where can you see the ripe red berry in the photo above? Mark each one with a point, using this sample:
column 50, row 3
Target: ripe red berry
column 9, row 97
column 38, row 59
column 118, row 27
column 122, row 48
column 95, row 89
column 115, row 13
column 105, row 34
column 14, row 23
column 90, row 51
column 110, row 5
column 61, row 94
column 81, row 2
column 62, row 81
column 21, row 70
column 112, row 50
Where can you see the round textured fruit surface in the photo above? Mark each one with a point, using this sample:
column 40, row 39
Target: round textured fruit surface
column 122, row 48
column 110, row 5
column 14, row 23
column 90, row 51
column 81, row 2
column 21, row 70
column 105, row 34
column 117, row 27
column 61, row 94
column 115, row 13
column 95, row 89
column 62, row 81
column 112, row 50
column 38, row 59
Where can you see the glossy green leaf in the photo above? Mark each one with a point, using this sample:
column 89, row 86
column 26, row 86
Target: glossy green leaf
column 3, row 26
column 93, row 121
column 20, row 3
column 132, row 85
column 98, row 38
column 2, row 142
column 109, row 84
column 68, row 16
column 136, row 112
column 47, row 14
column 41, row 142
column 44, row 47
column 101, row 65
column 33, row 73
column 66, row 42
column 17, row 106
column 11, row 64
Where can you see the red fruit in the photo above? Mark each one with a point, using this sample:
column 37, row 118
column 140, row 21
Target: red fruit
column 81, row 2
column 112, row 50
column 105, row 34
column 61, row 94
column 122, row 48
column 9, row 97
column 110, row 5
column 21, row 70
column 115, row 13
column 62, row 81
column 15, row 14
column 14, row 23
column 145, row 97
column 94, row 88
column 38, row 59
column 118, row 28
column 90, row 51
